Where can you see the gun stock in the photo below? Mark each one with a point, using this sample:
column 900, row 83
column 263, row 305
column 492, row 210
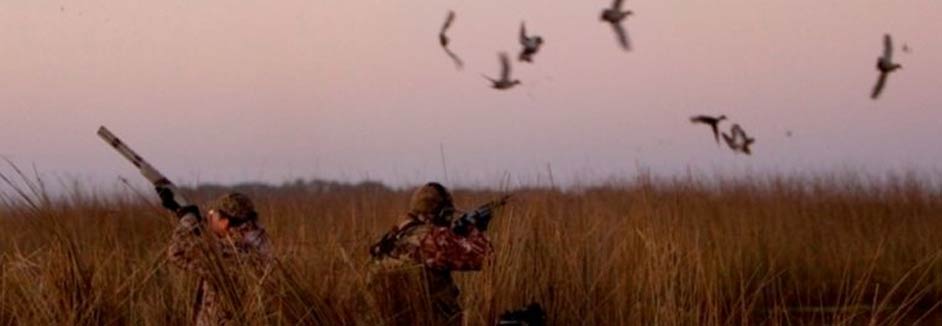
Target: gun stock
column 147, row 170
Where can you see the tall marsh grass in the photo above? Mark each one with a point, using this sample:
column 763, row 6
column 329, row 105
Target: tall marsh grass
column 764, row 250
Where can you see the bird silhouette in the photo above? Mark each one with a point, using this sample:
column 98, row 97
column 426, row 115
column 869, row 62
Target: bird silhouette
column 444, row 40
column 504, row 82
column 531, row 44
column 885, row 65
column 615, row 16
column 739, row 141
column 713, row 122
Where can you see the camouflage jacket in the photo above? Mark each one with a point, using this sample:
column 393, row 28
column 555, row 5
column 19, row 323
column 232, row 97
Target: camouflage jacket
column 416, row 243
column 245, row 246
column 417, row 257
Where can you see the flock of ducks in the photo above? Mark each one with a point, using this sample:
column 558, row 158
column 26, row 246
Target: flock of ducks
column 736, row 139
column 531, row 44
column 739, row 142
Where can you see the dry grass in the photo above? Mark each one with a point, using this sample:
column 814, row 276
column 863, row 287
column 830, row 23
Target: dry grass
column 771, row 250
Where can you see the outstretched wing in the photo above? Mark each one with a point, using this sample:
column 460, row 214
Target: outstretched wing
column 739, row 132
column 730, row 141
column 617, row 4
column 716, row 132
column 698, row 119
column 523, row 33
column 622, row 36
column 504, row 66
column 878, row 88
column 887, row 47
column 448, row 20
column 454, row 57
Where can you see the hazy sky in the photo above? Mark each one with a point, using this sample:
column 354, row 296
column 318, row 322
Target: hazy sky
column 232, row 91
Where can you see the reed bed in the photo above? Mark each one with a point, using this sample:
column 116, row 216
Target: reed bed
column 666, row 251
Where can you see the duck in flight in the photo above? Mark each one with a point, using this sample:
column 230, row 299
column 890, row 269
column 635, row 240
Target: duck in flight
column 739, row 141
column 531, row 44
column 444, row 40
column 711, row 121
column 885, row 65
column 504, row 82
column 614, row 16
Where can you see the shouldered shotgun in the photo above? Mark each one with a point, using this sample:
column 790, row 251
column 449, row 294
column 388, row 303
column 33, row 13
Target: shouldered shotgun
column 480, row 217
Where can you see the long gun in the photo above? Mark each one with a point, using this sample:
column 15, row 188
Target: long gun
column 147, row 170
column 479, row 218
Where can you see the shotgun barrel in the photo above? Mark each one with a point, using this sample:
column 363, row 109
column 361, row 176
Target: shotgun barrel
column 147, row 170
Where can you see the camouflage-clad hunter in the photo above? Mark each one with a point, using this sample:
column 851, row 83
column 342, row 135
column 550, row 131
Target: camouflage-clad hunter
column 410, row 276
column 235, row 239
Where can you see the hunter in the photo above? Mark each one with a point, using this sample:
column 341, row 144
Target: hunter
column 235, row 243
column 411, row 267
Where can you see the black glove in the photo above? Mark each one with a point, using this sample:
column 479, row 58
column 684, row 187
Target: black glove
column 383, row 247
column 166, row 199
column 478, row 219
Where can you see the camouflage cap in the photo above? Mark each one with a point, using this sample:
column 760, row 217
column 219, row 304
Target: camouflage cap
column 235, row 206
column 431, row 199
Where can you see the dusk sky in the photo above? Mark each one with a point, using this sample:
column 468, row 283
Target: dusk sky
column 231, row 91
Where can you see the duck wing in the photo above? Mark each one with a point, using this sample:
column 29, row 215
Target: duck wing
column 730, row 141
column 454, row 58
column 504, row 66
column 622, row 36
column 739, row 132
column 699, row 119
column 878, row 88
column 523, row 34
column 887, row 48
column 442, row 38
column 448, row 20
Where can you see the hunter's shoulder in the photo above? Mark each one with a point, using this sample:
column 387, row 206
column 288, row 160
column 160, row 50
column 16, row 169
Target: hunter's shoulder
column 252, row 238
column 253, row 233
column 188, row 222
column 411, row 230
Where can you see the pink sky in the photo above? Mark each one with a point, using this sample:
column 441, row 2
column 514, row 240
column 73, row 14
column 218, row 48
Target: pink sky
column 262, row 90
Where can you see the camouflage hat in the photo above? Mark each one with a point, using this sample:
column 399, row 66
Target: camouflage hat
column 235, row 206
column 431, row 199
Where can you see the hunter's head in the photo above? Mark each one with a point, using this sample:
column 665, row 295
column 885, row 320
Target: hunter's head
column 432, row 203
column 230, row 211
